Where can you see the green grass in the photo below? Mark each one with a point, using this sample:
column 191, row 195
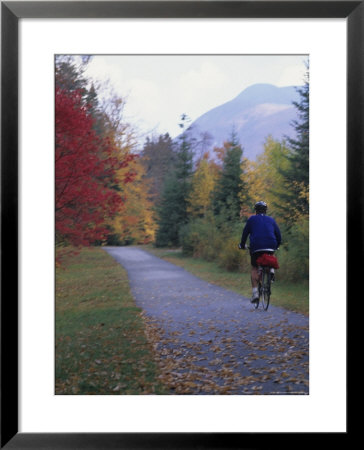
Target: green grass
column 101, row 346
column 292, row 296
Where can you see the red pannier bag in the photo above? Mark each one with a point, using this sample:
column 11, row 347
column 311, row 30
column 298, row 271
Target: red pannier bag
column 268, row 260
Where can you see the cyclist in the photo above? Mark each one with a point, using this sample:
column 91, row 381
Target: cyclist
column 265, row 237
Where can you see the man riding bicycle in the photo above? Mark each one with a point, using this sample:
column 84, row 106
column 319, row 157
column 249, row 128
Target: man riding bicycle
column 265, row 237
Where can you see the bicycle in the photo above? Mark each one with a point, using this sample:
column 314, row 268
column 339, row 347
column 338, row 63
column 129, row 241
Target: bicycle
column 266, row 265
column 264, row 286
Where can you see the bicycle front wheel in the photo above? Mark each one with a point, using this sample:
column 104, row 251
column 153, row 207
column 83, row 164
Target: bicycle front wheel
column 265, row 289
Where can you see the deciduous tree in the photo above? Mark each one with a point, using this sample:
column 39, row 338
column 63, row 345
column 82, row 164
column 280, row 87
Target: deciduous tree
column 134, row 222
column 202, row 185
column 83, row 197
column 264, row 176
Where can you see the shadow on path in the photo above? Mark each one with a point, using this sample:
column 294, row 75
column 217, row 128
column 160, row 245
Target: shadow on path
column 209, row 340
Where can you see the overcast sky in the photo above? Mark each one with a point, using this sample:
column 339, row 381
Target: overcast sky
column 160, row 88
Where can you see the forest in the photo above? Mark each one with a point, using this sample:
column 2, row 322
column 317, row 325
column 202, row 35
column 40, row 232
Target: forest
column 168, row 193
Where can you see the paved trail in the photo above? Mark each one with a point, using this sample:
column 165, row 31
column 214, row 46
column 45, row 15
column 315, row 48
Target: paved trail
column 210, row 340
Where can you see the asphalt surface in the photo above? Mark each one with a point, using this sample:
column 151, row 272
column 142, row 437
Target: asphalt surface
column 209, row 340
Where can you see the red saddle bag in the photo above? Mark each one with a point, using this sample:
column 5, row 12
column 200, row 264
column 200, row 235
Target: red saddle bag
column 268, row 260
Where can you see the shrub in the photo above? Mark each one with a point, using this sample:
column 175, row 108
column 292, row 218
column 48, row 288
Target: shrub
column 201, row 239
column 189, row 238
column 231, row 258
column 294, row 254
column 113, row 239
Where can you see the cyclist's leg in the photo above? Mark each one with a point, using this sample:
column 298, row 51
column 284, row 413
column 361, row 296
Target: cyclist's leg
column 255, row 275
column 267, row 284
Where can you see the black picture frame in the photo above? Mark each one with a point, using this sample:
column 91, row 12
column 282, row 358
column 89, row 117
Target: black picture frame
column 11, row 12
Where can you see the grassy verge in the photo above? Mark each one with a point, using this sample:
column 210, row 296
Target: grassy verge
column 292, row 296
column 101, row 346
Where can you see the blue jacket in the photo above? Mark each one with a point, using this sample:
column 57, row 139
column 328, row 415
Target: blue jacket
column 264, row 233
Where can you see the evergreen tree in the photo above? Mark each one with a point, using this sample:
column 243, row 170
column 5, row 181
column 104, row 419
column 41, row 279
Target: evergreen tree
column 70, row 74
column 93, row 103
column 172, row 210
column 295, row 198
column 227, row 195
column 158, row 158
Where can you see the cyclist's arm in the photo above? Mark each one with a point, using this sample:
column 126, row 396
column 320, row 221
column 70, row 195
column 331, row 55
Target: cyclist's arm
column 245, row 234
column 277, row 233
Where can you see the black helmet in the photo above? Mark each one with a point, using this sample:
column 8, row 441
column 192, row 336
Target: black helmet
column 261, row 207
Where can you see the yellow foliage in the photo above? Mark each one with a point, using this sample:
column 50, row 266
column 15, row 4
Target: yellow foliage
column 203, row 183
column 135, row 222
column 303, row 193
column 263, row 177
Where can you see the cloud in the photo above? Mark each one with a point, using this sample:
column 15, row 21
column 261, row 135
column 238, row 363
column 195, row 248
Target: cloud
column 145, row 100
column 201, row 88
column 292, row 76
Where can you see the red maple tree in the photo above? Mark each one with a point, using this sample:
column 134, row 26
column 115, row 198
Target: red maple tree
column 85, row 166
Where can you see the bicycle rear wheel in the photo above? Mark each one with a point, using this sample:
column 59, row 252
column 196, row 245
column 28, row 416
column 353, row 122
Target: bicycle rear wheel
column 265, row 297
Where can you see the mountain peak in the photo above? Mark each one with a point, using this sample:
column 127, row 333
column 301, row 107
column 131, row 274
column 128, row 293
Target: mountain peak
column 266, row 93
column 259, row 111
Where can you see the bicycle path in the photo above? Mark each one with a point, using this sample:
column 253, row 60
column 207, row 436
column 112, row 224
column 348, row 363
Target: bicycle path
column 209, row 340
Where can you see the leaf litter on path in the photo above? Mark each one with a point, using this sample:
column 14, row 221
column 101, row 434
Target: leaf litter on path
column 207, row 340
column 230, row 365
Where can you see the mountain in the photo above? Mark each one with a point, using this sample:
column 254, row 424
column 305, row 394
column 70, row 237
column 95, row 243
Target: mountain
column 257, row 112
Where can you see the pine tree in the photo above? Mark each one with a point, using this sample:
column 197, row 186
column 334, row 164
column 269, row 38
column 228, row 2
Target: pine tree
column 172, row 210
column 295, row 199
column 158, row 158
column 230, row 184
column 70, row 74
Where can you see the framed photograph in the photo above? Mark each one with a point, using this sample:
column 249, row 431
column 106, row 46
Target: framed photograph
column 201, row 42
